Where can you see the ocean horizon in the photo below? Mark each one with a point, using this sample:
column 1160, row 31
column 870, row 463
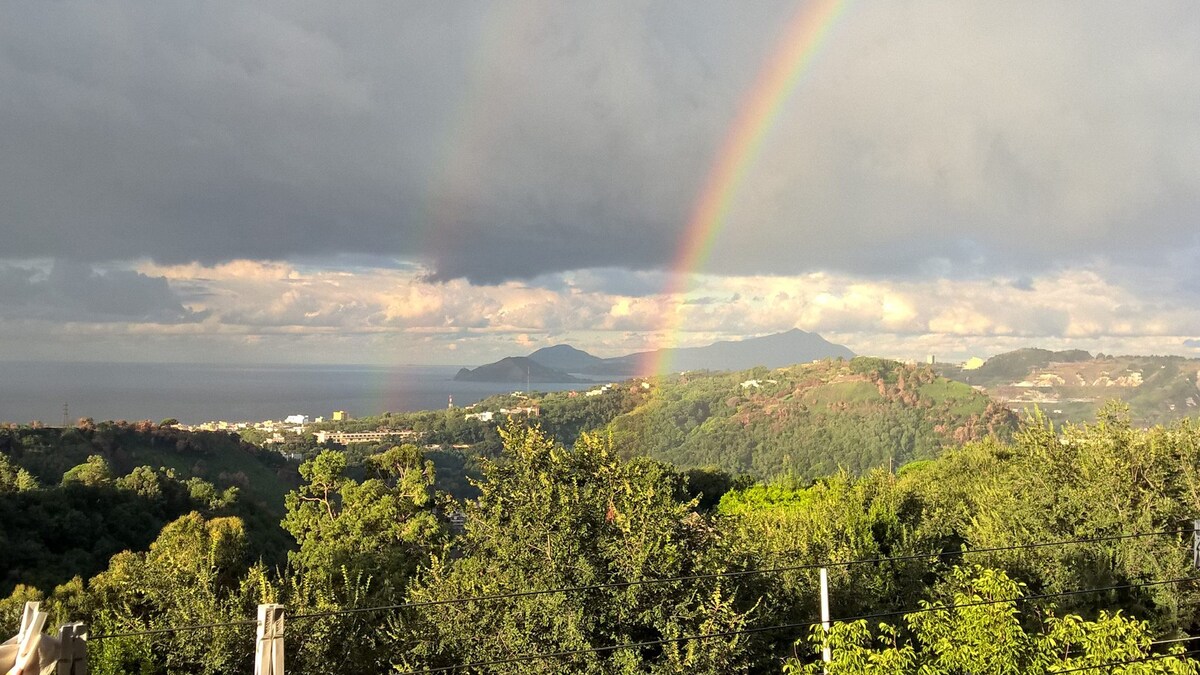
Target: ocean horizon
column 195, row 393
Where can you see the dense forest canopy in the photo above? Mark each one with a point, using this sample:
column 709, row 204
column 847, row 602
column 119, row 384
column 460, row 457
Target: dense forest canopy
column 72, row 498
column 715, row 580
column 809, row 420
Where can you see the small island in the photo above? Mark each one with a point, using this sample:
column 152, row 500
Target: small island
column 516, row 369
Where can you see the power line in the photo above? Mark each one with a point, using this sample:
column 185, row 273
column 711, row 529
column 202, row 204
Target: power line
column 174, row 629
column 1172, row 641
column 692, row 577
column 737, row 573
column 759, row 629
column 788, row 626
column 1040, row 596
column 1152, row 657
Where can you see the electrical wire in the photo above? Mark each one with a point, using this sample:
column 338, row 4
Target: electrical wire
column 736, row 573
column 1110, row 664
column 692, row 577
column 789, row 626
column 1172, row 641
column 173, row 629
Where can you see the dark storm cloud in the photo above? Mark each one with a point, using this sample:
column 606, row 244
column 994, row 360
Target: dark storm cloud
column 421, row 130
column 69, row 291
column 513, row 139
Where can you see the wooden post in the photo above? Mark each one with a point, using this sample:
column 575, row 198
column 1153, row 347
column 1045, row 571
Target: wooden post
column 72, row 650
column 268, row 648
column 1196, row 543
column 32, row 622
column 826, row 654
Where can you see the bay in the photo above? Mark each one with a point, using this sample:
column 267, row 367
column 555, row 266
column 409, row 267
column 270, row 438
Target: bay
column 195, row 393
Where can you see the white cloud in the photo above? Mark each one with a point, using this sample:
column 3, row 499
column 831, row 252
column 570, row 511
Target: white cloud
column 380, row 311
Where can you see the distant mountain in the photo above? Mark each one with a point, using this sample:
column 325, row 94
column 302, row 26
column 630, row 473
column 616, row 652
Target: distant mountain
column 566, row 358
column 515, row 369
column 772, row 351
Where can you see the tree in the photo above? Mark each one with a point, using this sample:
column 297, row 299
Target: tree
column 15, row 478
column 1085, row 481
column 360, row 543
column 383, row 526
column 195, row 573
column 984, row 639
column 548, row 517
column 95, row 471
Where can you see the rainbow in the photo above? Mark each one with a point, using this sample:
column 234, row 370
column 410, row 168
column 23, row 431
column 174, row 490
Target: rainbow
column 805, row 34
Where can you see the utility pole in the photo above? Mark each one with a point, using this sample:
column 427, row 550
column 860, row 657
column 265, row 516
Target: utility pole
column 1196, row 543
column 826, row 655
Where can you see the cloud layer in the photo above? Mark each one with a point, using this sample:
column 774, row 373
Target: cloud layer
column 251, row 309
column 450, row 182
column 505, row 140
column 70, row 291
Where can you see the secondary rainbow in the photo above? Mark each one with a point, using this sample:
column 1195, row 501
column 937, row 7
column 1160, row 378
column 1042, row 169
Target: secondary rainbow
column 806, row 33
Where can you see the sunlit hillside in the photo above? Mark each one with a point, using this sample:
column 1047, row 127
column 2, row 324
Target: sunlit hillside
column 1070, row 386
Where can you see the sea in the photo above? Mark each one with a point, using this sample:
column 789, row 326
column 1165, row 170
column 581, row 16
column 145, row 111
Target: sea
column 196, row 393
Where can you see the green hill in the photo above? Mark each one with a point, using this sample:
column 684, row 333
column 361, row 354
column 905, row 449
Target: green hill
column 215, row 456
column 808, row 420
column 1015, row 365
column 1070, row 386
column 803, row 420
column 71, row 498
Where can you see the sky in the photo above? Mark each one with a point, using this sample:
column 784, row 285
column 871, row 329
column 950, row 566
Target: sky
column 437, row 182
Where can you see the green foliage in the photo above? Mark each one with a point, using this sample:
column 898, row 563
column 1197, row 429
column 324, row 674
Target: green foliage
column 708, row 485
column 368, row 528
column 982, row 632
column 90, row 491
column 808, row 421
column 551, row 516
column 12, row 606
column 15, row 478
column 567, row 415
column 380, row 526
column 193, row 574
column 359, row 543
column 796, row 529
column 873, row 367
column 50, row 535
column 329, row 643
column 94, row 472
column 217, row 457
column 1091, row 481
